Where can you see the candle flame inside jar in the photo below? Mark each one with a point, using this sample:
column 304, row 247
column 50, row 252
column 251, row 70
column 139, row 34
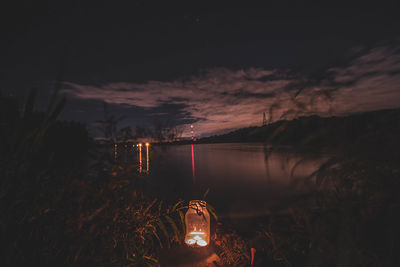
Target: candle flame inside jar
column 197, row 239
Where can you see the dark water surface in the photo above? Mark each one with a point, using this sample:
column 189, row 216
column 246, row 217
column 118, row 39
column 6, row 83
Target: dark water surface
column 243, row 178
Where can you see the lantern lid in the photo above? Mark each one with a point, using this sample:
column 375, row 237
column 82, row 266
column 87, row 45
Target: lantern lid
column 197, row 204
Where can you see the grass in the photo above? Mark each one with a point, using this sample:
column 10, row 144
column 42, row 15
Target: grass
column 60, row 209
column 72, row 204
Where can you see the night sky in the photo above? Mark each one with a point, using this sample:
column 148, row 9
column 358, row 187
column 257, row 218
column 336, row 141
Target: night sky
column 218, row 65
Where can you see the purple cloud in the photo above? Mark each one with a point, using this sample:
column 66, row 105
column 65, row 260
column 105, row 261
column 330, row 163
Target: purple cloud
column 223, row 99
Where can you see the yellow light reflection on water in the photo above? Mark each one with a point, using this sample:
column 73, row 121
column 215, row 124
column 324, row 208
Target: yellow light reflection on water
column 147, row 156
column 147, row 144
column 140, row 157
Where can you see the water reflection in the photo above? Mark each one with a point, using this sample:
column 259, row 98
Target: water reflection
column 141, row 159
column 147, row 157
column 193, row 173
column 236, row 174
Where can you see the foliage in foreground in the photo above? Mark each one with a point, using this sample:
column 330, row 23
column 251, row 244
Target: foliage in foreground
column 61, row 207
column 351, row 220
column 231, row 248
column 69, row 210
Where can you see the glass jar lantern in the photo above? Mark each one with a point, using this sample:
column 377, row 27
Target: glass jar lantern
column 197, row 220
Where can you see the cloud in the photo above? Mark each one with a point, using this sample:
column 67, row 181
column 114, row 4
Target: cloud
column 373, row 81
column 222, row 99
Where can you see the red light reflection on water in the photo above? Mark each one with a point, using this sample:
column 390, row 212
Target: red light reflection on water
column 193, row 173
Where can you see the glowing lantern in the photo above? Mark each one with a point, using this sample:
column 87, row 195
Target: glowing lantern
column 197, row 220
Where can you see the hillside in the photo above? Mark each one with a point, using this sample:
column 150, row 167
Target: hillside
column 376, row 128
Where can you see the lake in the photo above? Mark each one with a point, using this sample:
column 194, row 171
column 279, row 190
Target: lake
column 243, row 178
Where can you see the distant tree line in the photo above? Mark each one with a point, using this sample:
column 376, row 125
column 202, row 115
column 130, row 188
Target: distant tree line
column 161, row 130
column 375, row 129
